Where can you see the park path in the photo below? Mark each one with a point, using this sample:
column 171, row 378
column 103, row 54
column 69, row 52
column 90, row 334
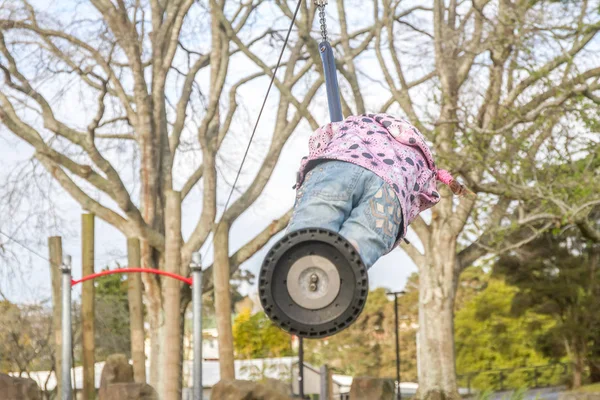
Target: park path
column 536, row 394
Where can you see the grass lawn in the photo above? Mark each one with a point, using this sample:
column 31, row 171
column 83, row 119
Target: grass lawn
column 595, row 388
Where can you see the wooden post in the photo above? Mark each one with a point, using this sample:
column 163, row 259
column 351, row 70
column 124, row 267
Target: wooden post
column 136, row 312
column 87, row 306
column 171, row 343
column 324, row 393
column 55, row 249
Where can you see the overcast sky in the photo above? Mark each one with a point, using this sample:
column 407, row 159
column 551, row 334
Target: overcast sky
column 30, row 281
column 27, row 279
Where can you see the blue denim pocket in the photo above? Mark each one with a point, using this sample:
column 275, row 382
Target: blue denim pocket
column 333, row 180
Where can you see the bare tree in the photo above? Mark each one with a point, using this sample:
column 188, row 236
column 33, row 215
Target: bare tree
column 141, row 62
column 125, row 63
column 26, row 333
column 491, row 84
column 505, row 99
column 505, row 91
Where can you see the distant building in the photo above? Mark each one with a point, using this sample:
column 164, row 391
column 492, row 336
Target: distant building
column 250, row 302
column 210, row 345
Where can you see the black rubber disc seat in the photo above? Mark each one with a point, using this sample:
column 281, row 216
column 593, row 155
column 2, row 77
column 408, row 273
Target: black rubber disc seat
column 313, row 283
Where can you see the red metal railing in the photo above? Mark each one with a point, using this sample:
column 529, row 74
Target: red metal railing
column 132, row 270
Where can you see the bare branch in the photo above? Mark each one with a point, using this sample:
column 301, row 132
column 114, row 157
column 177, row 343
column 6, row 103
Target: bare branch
column 192, row 181
column 256, row 187
column 423, row 231
column 414, row 254
column 588, row 230
column 474, row 251
column 401, row 95
column 46, row 34
column 119, row 136
column 285, row 91
column 468, row 256
column 82, row 198
column 550, row 66
column 250, row 248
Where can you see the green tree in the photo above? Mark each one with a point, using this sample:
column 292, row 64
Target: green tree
column 255, row 336
column 472, row 282
column 489, row 336
column 558, row 276
column 368, row 346
column 360, row 349
column 112, row 316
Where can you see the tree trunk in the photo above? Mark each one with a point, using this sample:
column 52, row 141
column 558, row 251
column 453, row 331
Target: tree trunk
column 593, row 353
column 581, row 350
column 437, row 370
column 154, row 350
column 594, row 371
column 87, row 306
column 150, row 177
column 223, row 301
column 182, row 350
column 577, row 371
column 154, row 314
column 576, row 355
column 171, row 345
column 55, row 248
column 136, row 312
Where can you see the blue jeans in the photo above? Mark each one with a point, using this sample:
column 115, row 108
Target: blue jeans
column 352, row 201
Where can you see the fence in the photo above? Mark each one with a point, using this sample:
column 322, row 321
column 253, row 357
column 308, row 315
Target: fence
column 533, row 377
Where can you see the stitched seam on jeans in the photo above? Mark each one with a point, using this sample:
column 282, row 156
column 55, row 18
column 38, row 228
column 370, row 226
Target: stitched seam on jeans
column 345, row 195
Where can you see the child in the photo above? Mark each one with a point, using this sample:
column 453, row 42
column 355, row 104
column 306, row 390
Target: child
column 367, row 178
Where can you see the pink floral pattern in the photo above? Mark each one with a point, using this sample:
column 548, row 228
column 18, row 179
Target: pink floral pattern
column 391, row 148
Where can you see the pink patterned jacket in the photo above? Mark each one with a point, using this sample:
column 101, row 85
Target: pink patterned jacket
column 391, row 148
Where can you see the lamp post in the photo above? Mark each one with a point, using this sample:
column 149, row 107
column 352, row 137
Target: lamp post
column 396, row 294
column 301, row 367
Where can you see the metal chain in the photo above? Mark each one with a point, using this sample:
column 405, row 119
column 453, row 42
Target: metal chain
column 321, row 6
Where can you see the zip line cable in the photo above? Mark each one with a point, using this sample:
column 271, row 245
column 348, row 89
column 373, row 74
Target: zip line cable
column 12, row 239
column 245, row 153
